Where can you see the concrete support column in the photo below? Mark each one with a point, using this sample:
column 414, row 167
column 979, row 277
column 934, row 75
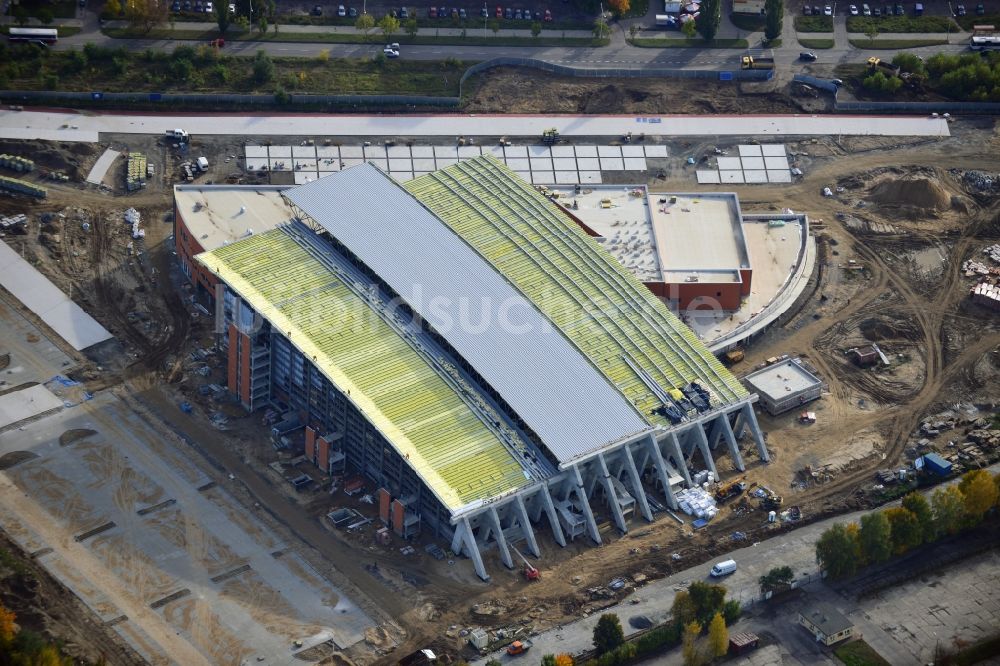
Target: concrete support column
column 612, row 496
column 716, row 432
column 550, row 510
column 529, row 534
column 739, row 426
column 734, row 449
column 702, row 442
column 471, row 548
column 661, row 470
column 675, row 449
column 751, row 420
column 585, row 506
column 637, row 490
column 501, row 540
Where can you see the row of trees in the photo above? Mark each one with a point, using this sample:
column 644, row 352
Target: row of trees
column 18, row 646
column 843, row 548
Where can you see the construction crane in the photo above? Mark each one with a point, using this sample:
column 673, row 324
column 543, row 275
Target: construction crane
column 550, row 136
column 530, row 572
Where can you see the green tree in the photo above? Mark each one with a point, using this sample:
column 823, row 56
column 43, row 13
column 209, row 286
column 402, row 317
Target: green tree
column 731, row 611
column 536, row 29
column 496, row 662
column 777, row 579
column 495, row 26
column 263, row 67
column 708, row 19
column 708, row 600
column 875, row 537
column 905, row 529
column 774, row 11
column 996, row 482
column 909, row 62
column 689, row 29
column 45, row 15
column 548, row 660
column 718, row 636
column 978, row 492
column 145, row 15
column 871, row 33
column 113, row 7
column 389, row 25
column 949, row 507
column 918, row 505
column 683, row 609
column 222, row 17
column 243, row 21
column 364, row 25
column 608, row 633
column 601, row 29
column 690, row 649
column 262, row 24
column 838, row 551
column 411, row 27
column 172, row 20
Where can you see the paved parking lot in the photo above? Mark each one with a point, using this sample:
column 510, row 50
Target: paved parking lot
column 169, row 559
column 958, row 604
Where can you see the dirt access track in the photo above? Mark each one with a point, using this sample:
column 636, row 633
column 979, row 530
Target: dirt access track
column 901, row 202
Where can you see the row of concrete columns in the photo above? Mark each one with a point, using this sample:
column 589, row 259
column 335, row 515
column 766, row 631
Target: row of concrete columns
column 664, row 456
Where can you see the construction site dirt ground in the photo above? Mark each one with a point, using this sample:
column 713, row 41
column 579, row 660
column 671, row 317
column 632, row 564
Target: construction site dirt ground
column 904, row 218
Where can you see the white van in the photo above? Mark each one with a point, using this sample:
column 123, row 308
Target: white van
column 202, row 164
column 723, row 568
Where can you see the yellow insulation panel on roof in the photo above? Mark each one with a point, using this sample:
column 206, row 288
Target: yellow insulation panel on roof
column 602, row 308
column 417, row 411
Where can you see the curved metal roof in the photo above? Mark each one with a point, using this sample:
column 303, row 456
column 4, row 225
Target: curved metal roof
column 551, row 386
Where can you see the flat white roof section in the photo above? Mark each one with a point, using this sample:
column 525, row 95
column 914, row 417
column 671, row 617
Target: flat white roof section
column 26, row 403
column 698, row 232
column 48, row 124
column 217, row 215
column 547, row 382
column 781, row 379
column 43, row 298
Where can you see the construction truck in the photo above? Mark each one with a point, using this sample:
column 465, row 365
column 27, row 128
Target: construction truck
column 879, row 65
column 519, row 647
column 550, row 136
column 757, row 62
column 530, row 572
column 733, row 356
column 727, row 491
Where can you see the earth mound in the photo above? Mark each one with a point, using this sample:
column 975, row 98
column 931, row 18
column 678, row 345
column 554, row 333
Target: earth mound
column 917, row 193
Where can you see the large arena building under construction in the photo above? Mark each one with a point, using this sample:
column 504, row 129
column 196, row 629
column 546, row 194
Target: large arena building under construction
column 461, row 342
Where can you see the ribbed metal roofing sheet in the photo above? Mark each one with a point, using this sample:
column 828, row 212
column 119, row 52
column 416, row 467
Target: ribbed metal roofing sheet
column 551, row 386
column 601, row 307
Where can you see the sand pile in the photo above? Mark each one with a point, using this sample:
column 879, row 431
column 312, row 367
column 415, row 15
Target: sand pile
column 916, row 193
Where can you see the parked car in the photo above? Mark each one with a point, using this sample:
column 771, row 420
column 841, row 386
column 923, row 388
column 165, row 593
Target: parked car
column 853, row 9
column 508, row 13
column 980, row 9
column 960, row 10
column 218, row 43
column 432, row 12
column 724, row 568
column 390, row 52
column 816, row 10
column 341, row 11
column 837, row 82
column 209, row 7
column 462, row 14
column 866, row 10
column 877, row 12
column 548, row 16
column 827, row 10
column 317, row 11
column 187, row 5
column 806, row 55
column 404, row 13
column 198, row 5
column 176, row 6
column 485, row 13
column 899, row 10
column 499, row 11
column 352, row 12
column 807, row 10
